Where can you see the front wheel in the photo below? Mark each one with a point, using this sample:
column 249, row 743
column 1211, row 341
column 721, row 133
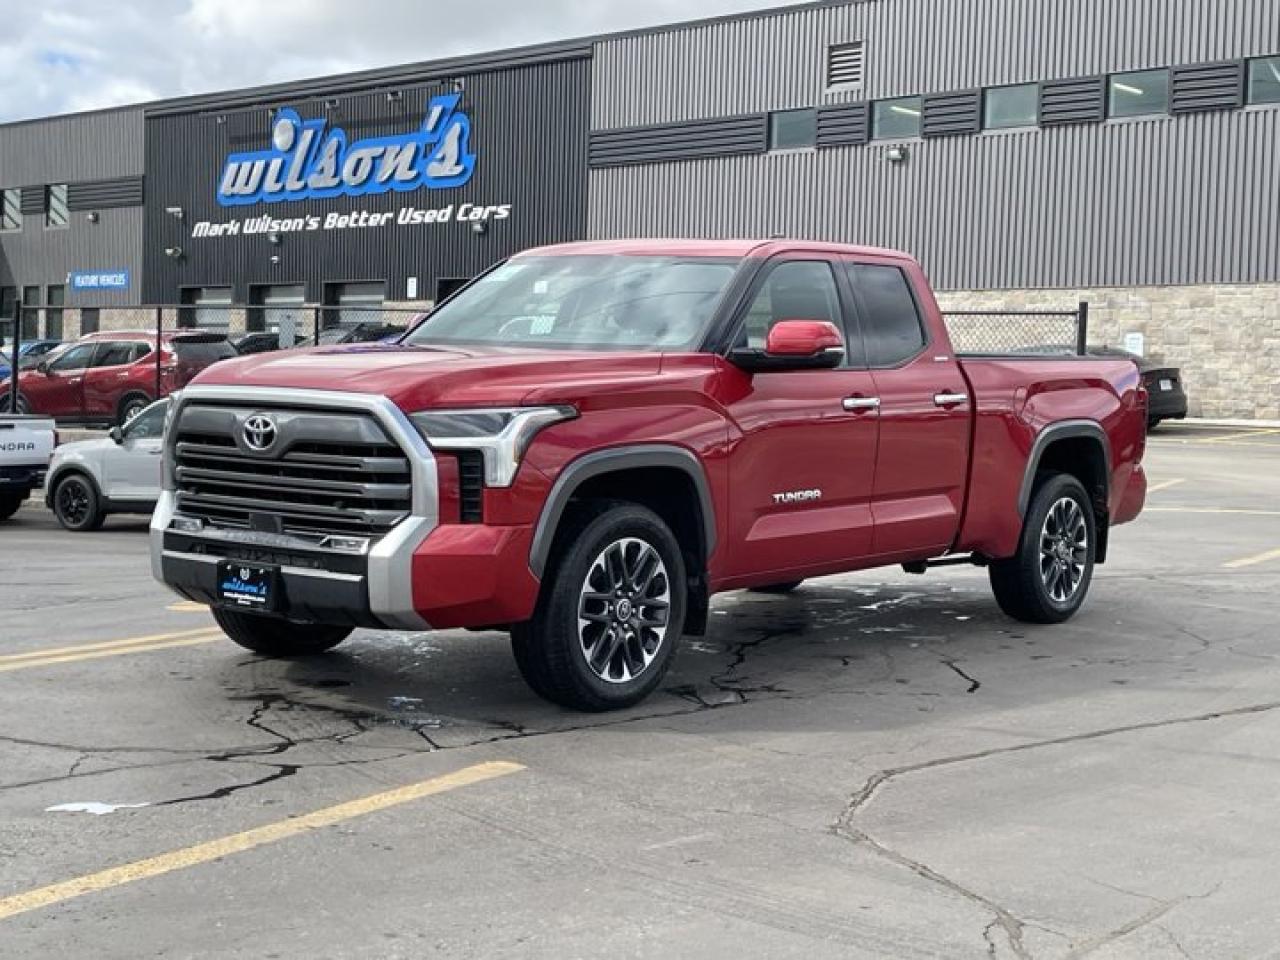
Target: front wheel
column 607, row 624
column 278, row 638
column 1047, row 579
column 130, row 407
column 76, row 504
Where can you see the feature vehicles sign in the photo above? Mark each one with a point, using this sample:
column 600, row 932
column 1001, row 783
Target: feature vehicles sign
column 307, row 160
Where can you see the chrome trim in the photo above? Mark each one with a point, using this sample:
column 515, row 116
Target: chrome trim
column 390, row 561
column 861, row 403
column 949, row 399
column 311, row 572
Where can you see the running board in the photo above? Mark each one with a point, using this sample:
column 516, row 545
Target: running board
column 958, row 560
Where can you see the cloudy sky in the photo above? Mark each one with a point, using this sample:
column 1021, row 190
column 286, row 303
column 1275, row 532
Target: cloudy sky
column 64, row 55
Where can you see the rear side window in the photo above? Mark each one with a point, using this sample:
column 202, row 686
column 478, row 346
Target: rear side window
column 114, row 355
column 890, row 320
column 203, row 351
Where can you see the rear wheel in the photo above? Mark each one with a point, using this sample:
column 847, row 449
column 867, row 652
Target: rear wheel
column 10, row 501
column 7, row 398
column 1047, row 580
column 278, row 638
column 778, row 588
column 76, row 504
column 130, row 407
column 606, row 626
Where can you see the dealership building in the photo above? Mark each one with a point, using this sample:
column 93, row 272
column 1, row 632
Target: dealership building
column 1028, row 156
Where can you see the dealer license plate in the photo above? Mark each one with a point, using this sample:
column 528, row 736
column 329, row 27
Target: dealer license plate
column 240, row 585
column 1166, row 384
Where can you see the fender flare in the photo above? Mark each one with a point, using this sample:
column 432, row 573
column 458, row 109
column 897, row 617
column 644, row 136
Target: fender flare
column 1065, row 430
column 617, row 460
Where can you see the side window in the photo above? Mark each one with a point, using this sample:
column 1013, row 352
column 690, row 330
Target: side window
column 793, row 290
column 114, row 355
column 148, row 425
column 890, row 321
column 138, row 351
column 77, row 358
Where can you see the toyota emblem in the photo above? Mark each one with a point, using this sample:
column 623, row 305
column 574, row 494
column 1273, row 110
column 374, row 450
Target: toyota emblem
column 259, row 432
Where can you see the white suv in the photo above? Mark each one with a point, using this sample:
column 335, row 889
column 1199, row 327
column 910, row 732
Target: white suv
column 89, row 479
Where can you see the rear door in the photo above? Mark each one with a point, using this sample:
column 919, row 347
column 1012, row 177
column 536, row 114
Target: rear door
column 923, row 458
column 107, row 381
column 58, row 390
column 802, row 468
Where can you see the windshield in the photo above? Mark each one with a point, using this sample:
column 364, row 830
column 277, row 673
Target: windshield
column 589, row 301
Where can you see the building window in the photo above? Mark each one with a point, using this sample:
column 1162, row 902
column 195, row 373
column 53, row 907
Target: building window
column 1004, row 108
column 8, row 306
column 30, row 313
column 1264, row 80
column 896, row 119
column 55, row 205
column 355, row 303
column 206, row 308
column 845, row 64
column 1141, row 94
column 11, row 209
column 55, row 297
column 793, row 129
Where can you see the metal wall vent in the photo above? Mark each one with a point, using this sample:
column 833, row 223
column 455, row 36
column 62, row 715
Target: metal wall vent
column 846, row 63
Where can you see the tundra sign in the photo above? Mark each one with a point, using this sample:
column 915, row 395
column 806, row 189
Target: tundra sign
column 309, row 160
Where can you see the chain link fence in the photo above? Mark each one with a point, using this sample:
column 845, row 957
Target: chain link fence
column 1034, row 332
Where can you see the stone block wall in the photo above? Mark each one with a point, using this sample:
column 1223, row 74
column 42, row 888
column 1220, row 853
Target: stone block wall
column 1225, row 338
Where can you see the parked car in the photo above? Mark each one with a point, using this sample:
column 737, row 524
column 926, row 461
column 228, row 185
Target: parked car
column 361, row 333
column 601, row 436
column 109, row 377
column 256, row 343
column 26, row 443
column 29, row 354
column 1166, row 397
column 89, row 479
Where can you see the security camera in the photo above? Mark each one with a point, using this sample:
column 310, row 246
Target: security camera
column 174, row 252
column 175, row 212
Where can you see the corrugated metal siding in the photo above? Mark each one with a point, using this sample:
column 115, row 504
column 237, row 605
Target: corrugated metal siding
column 91, row 146
column 777, row 61
column 43, row 257
column 1119, row 204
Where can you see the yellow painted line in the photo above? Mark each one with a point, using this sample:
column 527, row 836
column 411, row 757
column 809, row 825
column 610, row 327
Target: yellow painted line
column 1254, row 560
column 1239, row 436
column 240, row 842
column 104, row 645
column 1166, row 485
column 187, row 606
column 211, row 636
column 1246, row 513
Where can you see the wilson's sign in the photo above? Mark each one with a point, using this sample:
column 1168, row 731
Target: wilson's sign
column 308, row 159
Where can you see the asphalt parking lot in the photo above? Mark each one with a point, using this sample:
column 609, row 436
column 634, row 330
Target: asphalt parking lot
column 878, row 766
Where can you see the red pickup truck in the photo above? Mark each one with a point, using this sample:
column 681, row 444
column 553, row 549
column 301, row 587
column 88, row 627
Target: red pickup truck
column 590, row 440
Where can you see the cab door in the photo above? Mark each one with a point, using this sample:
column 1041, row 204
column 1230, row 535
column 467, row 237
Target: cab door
column 58, row 389
column 925, row 415
column 131, row 470
column 802, row 462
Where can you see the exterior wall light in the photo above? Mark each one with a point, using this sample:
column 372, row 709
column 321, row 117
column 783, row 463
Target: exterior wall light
column 394, row 95
column 896, row 154
column 174, row 253
column 478, row 227
column 175, row 212
column 92, row 216
column 275, row 258
column 275, row 239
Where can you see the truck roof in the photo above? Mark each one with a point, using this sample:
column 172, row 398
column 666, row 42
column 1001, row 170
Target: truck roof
column 707, row 248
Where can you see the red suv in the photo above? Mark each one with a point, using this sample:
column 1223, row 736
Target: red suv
column 110, row 376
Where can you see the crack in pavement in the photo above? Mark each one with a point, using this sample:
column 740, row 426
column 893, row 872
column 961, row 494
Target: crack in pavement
column 1161, row 908
column 974, row 685
column 1011, row 925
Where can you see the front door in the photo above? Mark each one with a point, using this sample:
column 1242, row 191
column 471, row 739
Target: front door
column 803, row 460
column 58, row 390
column 924, row 417
column 131, row 470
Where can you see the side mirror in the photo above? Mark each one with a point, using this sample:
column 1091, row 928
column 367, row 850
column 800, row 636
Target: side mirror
column 43, row 367
column 116, row 435
column 794, row 345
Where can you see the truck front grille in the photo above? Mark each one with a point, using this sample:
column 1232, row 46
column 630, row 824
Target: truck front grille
column 325, row 473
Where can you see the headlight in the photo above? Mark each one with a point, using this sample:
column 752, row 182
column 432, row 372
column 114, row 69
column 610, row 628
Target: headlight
column 502, row 434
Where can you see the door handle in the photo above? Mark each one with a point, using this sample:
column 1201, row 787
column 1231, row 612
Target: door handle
column 861, row 403
column 949, row 399
column 74, row 379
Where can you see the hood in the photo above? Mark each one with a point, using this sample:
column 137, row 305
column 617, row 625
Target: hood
column 416, row 378
column 80, row 448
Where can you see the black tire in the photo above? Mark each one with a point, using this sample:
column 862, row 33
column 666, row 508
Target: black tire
column 1047, row 580
column 278, row 638
column 24, row 406
column 1154, row 422
column 130, row 406
column 76, row 503
column 551, row 652
column 778, row 589
column 10, row 502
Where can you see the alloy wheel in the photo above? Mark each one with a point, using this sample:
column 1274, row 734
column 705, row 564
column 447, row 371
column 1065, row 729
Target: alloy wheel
column 73, row 502
column 1064, row 549
column 623, row 610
